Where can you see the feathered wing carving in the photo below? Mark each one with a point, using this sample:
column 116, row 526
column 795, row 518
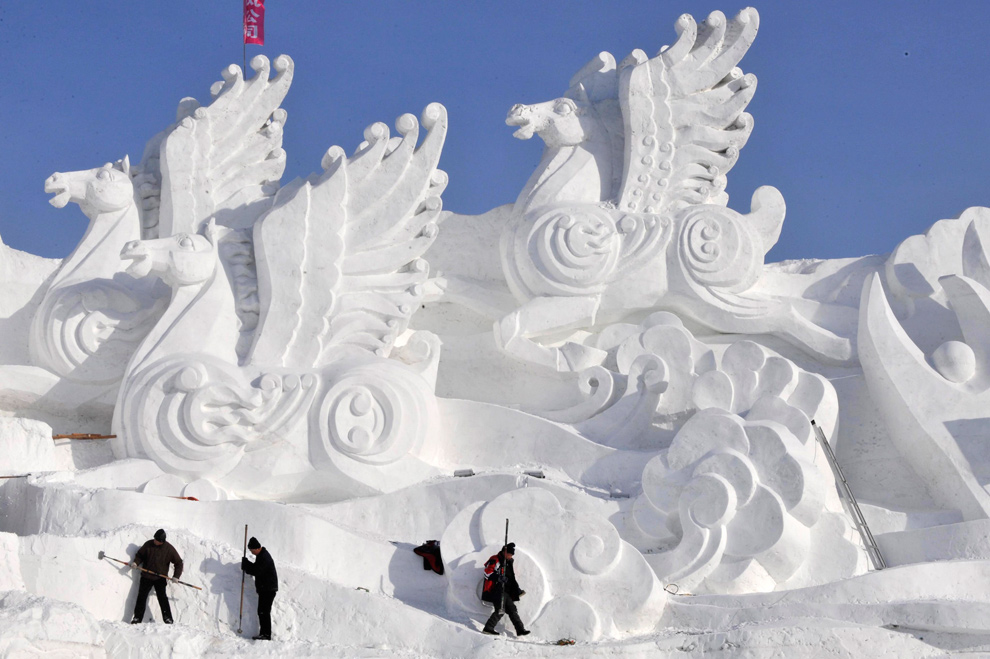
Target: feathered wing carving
column 224, row 160
column 338, row 255
column 683, row 113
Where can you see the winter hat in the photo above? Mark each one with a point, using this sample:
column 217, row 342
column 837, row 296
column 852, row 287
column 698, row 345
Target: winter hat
column 510, row 548
column 254, row 544
column 160, row 535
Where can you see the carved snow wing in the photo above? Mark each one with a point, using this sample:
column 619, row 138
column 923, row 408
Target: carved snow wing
column 339, row 275
column 238, row 158
column 585, row 242
column 339, row 262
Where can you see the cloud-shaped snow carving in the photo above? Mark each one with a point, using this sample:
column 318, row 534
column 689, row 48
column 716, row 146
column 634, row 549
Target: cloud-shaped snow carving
column 740, row 502
column 581, row 579
column 739, row 497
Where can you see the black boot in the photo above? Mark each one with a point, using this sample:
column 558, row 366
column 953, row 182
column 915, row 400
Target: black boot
column 490, row 631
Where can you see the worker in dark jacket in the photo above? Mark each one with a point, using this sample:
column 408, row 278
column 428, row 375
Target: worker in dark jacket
column 265, row 582
column 155, row 556
column 500, row 579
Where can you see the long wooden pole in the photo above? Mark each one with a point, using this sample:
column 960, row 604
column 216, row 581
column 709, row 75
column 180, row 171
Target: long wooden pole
column 240, row 612
column 157, row 574
column 505, row 559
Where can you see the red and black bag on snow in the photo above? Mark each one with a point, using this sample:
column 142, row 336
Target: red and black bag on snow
column 430, row 551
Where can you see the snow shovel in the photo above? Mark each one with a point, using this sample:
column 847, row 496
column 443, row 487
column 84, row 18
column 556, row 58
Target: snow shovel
column 102, row 556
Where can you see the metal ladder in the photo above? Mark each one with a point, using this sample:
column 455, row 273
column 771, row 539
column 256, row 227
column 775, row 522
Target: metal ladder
column 864, row 530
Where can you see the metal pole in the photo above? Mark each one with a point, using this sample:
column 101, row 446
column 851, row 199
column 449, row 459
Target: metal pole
column 864, row 529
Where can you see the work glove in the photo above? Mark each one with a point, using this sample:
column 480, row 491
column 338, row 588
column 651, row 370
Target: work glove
column 244, row 564
column 132, row 564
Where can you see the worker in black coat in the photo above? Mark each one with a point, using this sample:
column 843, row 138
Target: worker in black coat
column 155, row 555
column 265, row 582
column 501, row 588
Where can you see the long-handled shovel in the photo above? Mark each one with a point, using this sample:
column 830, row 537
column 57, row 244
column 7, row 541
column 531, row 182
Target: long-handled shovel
column 240, row 612
column 102, row 556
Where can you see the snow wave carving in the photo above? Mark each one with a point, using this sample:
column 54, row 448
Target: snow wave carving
column 734, row 503
column 581, row 579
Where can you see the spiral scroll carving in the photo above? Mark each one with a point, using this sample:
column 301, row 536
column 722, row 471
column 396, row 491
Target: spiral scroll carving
column 375, row 413
column 566, row 251
column 87, row 332
column 597, row 550
column 195, row 416
column 718, row 250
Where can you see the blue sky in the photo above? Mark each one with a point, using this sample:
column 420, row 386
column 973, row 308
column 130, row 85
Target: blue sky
column 871, row 117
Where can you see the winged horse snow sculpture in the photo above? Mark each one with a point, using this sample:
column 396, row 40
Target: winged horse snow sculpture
column 319, row 402
column 627, row 209
column 93, row 315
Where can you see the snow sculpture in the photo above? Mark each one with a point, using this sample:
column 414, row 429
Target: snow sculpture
column 627, row 210
column 93, row 314
column 614, row 414
column 733, row 504
column 936, row 408
column 325, row 397
column 581, row 579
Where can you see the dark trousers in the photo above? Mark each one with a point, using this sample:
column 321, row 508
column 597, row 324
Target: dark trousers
column 510, row 608
column 265, row 599
column 142, row 599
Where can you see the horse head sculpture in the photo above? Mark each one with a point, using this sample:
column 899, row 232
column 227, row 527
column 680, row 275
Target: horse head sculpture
column 181, row 260
column 91, row 316
column 99, row 190
column 582, row 131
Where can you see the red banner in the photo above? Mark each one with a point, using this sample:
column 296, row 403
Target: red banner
column 254, row 22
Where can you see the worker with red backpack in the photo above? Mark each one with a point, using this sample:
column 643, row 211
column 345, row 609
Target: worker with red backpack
column 502, row 590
